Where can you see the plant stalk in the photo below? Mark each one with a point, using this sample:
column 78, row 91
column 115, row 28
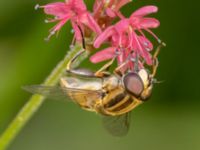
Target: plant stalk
column 35, row 101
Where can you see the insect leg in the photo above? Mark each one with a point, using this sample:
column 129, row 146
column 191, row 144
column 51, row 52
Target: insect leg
column 134, row 60
column 117, row 70
column 155, row 59
column 102, row 71
column 83, row 40
column 70, row 63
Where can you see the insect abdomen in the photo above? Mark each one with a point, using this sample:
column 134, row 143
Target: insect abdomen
column 116, row 102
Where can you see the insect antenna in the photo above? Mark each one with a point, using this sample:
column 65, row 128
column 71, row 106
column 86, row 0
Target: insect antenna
column 136, row 66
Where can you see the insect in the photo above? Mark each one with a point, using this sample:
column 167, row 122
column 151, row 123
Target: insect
column 113, row 96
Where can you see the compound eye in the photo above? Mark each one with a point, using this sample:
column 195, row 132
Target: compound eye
column 133, row 83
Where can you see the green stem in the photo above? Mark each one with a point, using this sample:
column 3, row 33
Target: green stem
column 34, row 102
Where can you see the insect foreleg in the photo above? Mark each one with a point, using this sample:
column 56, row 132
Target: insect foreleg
column 117, row 70
column 155, row 59
column 102, row 71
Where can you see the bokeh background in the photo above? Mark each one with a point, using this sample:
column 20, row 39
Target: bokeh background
column 170, row 120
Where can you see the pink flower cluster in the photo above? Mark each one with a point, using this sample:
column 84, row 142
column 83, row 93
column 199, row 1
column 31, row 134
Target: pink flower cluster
column 126, row 38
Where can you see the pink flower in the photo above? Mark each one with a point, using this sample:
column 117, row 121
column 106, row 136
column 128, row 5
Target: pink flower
column 124, row 36
column 106, row 10
column 114, row 7
column 73, row 10
column 111, row 7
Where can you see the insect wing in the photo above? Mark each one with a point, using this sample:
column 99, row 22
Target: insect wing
column 59, row 93
column 117, row 125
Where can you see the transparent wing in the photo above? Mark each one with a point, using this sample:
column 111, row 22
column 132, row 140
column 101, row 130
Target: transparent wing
column 117, row 125
column 59, row 93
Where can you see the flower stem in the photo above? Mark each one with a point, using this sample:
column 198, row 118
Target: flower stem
column 35, row 101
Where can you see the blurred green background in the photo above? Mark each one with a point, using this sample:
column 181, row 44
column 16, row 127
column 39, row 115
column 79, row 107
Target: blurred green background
column 170, row 120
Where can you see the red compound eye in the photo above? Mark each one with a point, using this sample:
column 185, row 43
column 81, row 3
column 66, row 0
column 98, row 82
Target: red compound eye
column 133, row 83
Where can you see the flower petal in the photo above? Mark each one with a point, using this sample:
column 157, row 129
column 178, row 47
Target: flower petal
column 138, row 47
column 121, row 3
column 110, row 13
column 145, row 43
column 93, row 24
column 58, row 26
column 79, row 5
column 103, row 55
column 121, row 26
column 104, row 36
column 57, row 9
column 143, row 11
column 88, row 20
column 77, row 32
column 148, row 23
column 97, row 5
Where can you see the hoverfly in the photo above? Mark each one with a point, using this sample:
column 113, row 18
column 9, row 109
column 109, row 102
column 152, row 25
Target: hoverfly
column 113, row 96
